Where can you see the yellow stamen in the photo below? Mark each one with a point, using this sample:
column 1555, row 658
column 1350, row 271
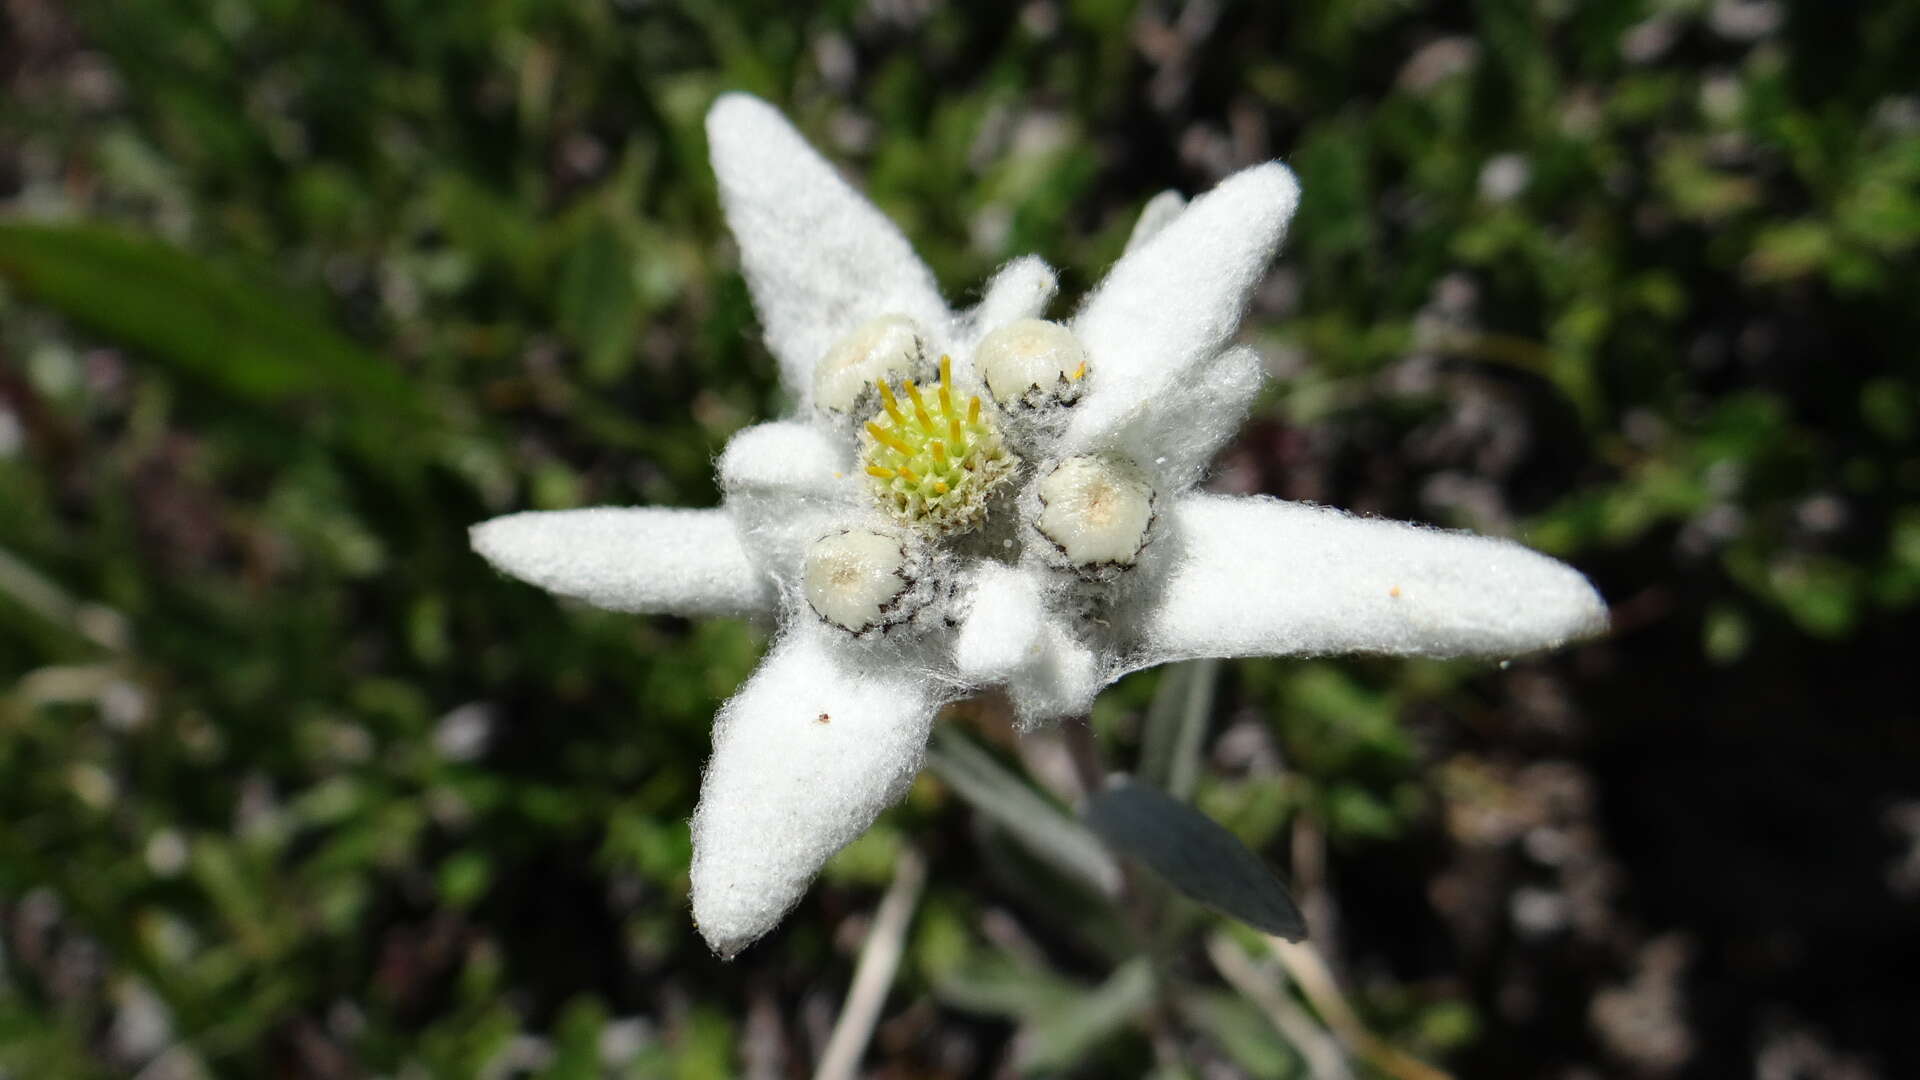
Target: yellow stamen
column 892, row 404
column 919, row 405
column 887, row 438
column 929, row 462
column 1079, row 371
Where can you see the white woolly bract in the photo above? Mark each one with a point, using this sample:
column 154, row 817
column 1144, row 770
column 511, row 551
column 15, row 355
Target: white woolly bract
column 1019, row 290
column 1156, row 215
column 805, row 756
column 1002, row 630
column 1063, row 683
column 818, row 258
column 1175, row 301
column 787, row 456
column 1009, row 639
column 786, row 485
column 1261, row 577
column 1176, row 440
column 641, row 559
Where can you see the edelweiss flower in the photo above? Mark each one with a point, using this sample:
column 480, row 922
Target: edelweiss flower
column 978, row 499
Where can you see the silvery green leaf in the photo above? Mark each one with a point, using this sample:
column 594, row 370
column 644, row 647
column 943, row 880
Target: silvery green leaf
column 1000, row 985
column 1056, row 1039
column 1055, row 901
column 1040, row 826
column 1176, row 725
column 1195, row 855
column 1238, row 1028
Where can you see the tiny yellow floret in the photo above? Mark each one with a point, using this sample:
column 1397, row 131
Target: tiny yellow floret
column 891, row 403
column 888, row 438
column 919, row 405
column 934, row 468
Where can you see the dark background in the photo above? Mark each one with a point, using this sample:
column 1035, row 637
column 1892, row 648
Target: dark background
column 292, row 291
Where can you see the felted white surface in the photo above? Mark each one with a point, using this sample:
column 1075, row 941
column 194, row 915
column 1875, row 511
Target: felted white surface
column 1176, row 439
column 786, row 455
column 1019, row 290
column 787, row 484
column 1262, row 577
column 1063, row 683
column 639, row 559
column 819, row 259
column 1002, row 632
column 805, row 756
column 1175, row 301
column 1009, row 640
column 1159, row 211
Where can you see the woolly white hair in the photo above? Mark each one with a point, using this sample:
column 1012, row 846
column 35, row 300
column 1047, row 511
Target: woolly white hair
column 831, row 729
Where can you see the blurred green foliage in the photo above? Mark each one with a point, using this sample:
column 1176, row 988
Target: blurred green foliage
column 293, row 291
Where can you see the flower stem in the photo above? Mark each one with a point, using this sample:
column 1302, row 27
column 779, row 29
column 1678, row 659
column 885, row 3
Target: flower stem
column 873, row 974
column 1084, row 752
column 1322, row 1053
column 1305, row 965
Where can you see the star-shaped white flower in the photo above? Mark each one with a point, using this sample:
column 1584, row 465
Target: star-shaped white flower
column 980, row 499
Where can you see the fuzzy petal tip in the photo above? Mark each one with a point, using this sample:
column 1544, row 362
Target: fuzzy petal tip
column 815, row 745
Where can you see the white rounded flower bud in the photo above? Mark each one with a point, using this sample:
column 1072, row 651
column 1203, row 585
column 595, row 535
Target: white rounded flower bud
column 1031, row 363
column 887, row 349
column 1095, row 511
column 861, row 581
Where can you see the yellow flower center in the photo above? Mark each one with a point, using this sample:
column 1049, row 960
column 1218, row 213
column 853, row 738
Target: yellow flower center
column 932, row 459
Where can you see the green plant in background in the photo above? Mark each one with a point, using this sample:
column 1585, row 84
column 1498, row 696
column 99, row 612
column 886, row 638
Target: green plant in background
column 293, row 291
